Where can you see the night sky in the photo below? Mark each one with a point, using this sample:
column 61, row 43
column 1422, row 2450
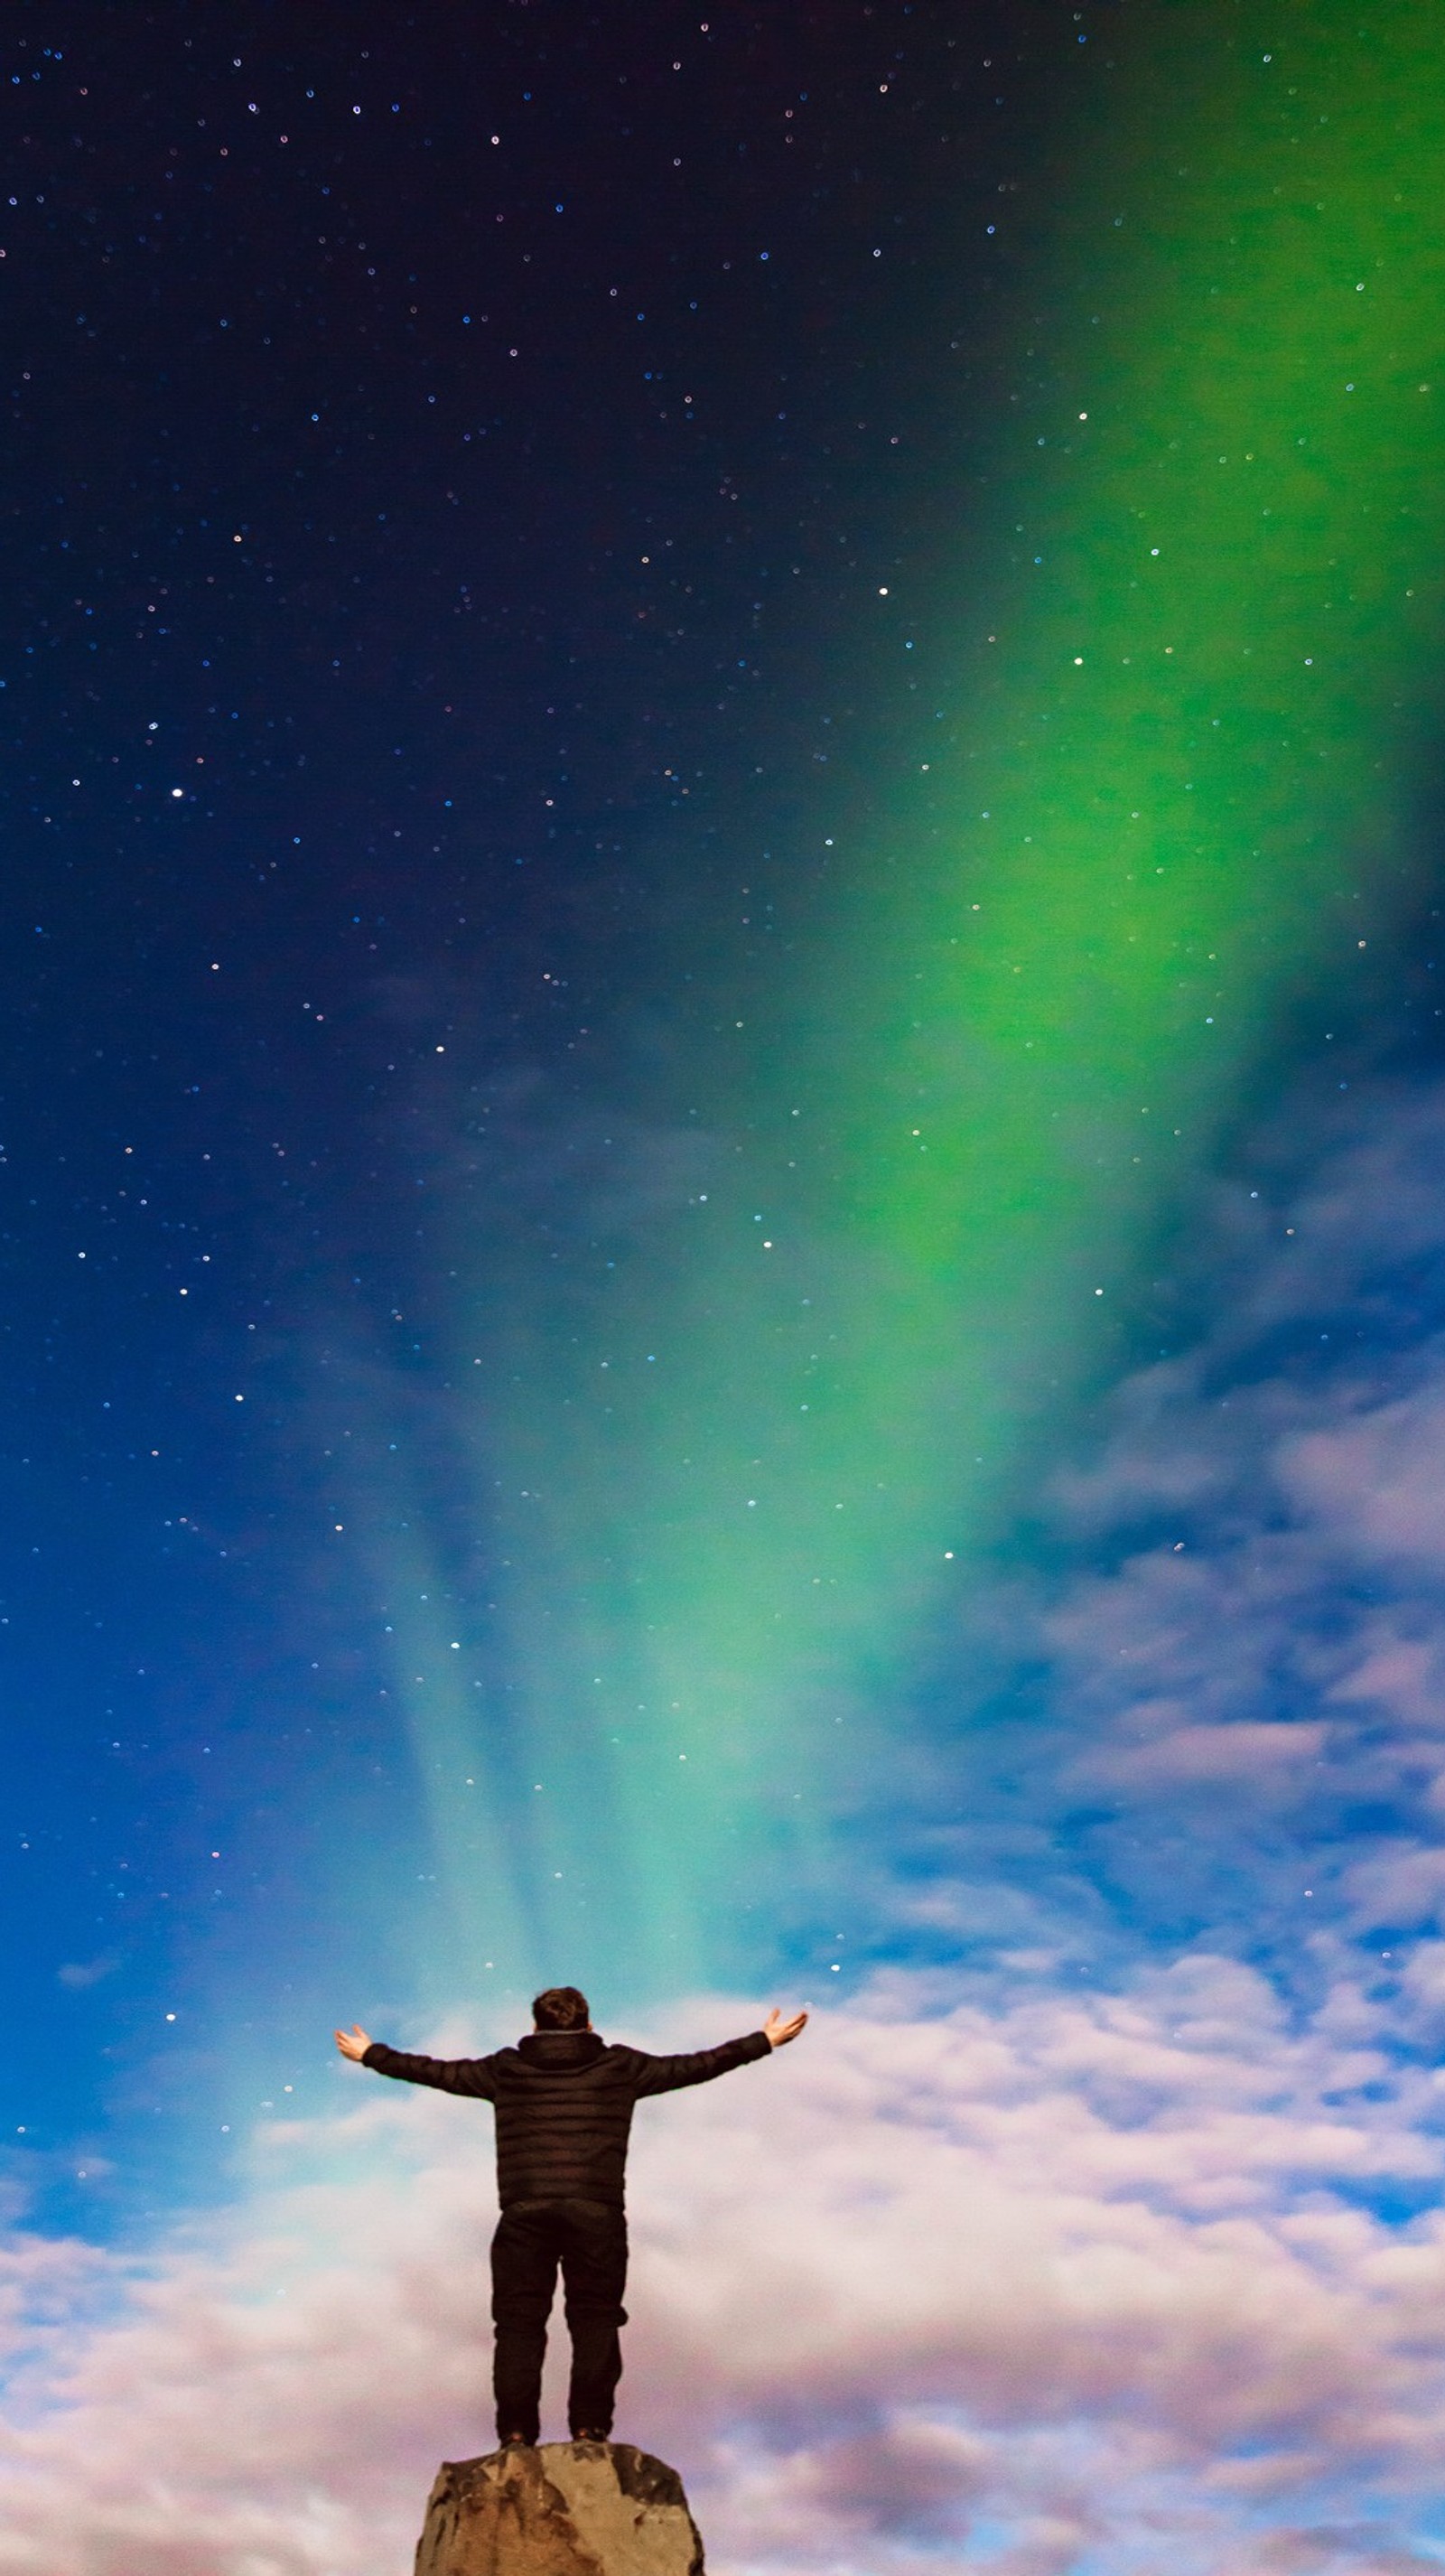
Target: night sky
column 445, row 478
column 722, row 1216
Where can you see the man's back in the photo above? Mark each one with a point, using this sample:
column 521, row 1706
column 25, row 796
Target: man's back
column 564, row 2102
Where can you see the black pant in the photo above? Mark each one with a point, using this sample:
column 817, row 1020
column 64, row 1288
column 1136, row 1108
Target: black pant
column 589, row 2239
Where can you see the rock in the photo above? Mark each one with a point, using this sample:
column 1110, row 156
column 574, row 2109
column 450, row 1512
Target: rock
column 565, row 2509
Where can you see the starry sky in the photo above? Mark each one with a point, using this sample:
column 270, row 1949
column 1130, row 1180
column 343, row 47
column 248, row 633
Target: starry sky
column 721, row 1216
column 417, row 616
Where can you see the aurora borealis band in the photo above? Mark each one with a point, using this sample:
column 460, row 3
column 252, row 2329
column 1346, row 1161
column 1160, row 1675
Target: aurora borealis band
column 1177, row 638
column 722, row 1238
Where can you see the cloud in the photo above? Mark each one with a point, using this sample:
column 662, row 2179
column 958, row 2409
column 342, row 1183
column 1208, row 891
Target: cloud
column 80, row 1973
column 1242, row 1755
column 1234, row 1669
column 1377, row 1478
column 1022, row 2282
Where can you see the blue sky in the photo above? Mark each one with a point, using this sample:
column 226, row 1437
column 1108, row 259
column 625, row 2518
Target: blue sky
column 435, row 669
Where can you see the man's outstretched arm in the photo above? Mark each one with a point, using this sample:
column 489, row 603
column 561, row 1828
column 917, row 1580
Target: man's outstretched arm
column 471, row 2075
column 699, row 2066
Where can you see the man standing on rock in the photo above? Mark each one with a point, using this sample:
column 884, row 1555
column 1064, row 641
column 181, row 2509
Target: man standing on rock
column 564, row 2101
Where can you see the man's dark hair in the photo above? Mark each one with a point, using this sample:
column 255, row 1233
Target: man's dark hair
column 561, row 2008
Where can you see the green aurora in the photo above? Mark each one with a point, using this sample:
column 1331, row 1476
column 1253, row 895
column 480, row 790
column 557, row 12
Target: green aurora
column 738, row 1478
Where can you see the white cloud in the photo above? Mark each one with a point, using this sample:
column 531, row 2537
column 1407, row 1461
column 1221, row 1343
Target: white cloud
column 1243, row 1647
column 1377, row 1477
column 80, row 1973
column 1249, row 1756
column 1052, row 2276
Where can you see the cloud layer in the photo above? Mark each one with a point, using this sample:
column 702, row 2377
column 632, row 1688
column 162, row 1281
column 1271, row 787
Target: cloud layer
column 1085, row 2281
column 1226, row 1624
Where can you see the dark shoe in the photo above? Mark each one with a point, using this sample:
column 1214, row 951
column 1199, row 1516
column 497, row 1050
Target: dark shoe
column 591, row 2437
column 515, row 2442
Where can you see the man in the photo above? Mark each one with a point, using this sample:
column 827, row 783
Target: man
column 564, row 2101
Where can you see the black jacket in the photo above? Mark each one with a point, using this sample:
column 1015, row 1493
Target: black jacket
column 564, row 2103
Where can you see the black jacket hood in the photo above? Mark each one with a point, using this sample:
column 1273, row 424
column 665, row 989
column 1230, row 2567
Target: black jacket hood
column 561, row 2052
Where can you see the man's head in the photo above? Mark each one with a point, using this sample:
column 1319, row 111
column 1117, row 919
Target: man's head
column 561, row 2008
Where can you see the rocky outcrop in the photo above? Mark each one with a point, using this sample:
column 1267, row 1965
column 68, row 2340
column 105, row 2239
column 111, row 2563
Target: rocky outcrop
column 565, row 2509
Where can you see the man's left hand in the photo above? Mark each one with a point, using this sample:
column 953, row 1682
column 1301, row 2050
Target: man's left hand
column 778, row 2032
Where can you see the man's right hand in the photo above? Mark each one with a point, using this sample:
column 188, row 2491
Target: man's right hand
column 354, row 2043
column 776, row 2031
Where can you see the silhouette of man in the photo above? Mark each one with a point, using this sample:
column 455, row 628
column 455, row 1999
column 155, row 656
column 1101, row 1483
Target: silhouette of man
column 564, row 2101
